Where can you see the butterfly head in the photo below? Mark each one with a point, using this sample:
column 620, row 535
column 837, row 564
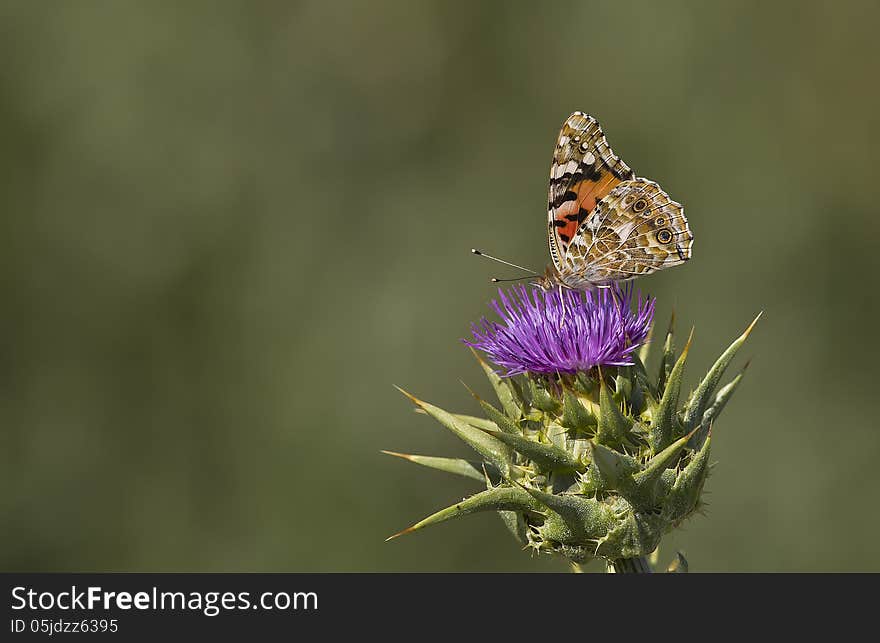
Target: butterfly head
column 550, row 279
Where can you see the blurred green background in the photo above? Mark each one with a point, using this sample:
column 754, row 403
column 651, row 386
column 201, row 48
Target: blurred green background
column 229, row 227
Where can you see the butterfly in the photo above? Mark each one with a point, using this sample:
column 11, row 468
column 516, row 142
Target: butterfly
column 605, row 224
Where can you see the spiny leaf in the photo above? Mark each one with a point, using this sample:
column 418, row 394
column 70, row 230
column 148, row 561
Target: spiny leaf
column 640, row 386
column 638, row 369
column 504, row 389
column 646, row 479
column 574, row 415
column 500, row 420
column 723, row 396
column 495, row 499
column 515, row 522
column 546, row 456
column 622, row 387
column 479, row 422
column 683, row 497
column 711, row 414
column 663, row 427
column 583, row 383
column 458, row 466
column 699, row 399
column 615, row 468
column 668, row 357
column 582, row 518
column 541, row 399
column 635, row 534
column 613, row 428
column 492, row 449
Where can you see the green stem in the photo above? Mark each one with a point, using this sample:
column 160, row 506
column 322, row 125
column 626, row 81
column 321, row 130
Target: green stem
column 638, row 565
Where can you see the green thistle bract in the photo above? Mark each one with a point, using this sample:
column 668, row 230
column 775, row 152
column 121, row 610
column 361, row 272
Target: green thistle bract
column 598, row 463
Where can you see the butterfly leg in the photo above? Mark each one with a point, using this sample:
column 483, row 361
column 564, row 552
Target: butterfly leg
column 612, row 291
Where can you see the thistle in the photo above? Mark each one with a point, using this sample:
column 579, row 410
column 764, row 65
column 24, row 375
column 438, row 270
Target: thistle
column 585, row 455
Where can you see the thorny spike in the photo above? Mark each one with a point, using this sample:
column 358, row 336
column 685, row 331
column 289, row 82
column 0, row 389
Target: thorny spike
column 665, row 417
column 496, row 418
column 613, row 427
column 504, row 389
column 574, row 415
column 546, row 456
column 478, row 422
column 668, row 357
column 498, row 498
column 699, row 399
column 722, row 397
column 455, row 466
column 495, row 451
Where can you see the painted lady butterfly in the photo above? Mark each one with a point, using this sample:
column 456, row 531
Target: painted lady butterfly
column 604, row 223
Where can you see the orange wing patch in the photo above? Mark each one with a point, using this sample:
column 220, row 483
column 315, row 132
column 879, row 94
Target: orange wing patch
column 583, row 197
column 584, row 170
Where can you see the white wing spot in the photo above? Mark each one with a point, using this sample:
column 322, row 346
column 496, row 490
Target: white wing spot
column 561, row 170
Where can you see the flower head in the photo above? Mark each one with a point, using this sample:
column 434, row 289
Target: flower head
column 563, row 331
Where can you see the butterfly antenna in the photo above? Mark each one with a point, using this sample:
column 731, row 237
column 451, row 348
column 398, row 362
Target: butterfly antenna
column 496, row 280
column 506, row 263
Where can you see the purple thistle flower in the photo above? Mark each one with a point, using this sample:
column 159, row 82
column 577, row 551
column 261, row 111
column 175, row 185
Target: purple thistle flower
column 563, row 331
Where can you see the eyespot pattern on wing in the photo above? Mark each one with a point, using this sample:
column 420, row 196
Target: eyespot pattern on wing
column 635, row 230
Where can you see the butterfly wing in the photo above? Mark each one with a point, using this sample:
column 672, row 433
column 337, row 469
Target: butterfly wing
column 584, row 170
column 635, row 230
